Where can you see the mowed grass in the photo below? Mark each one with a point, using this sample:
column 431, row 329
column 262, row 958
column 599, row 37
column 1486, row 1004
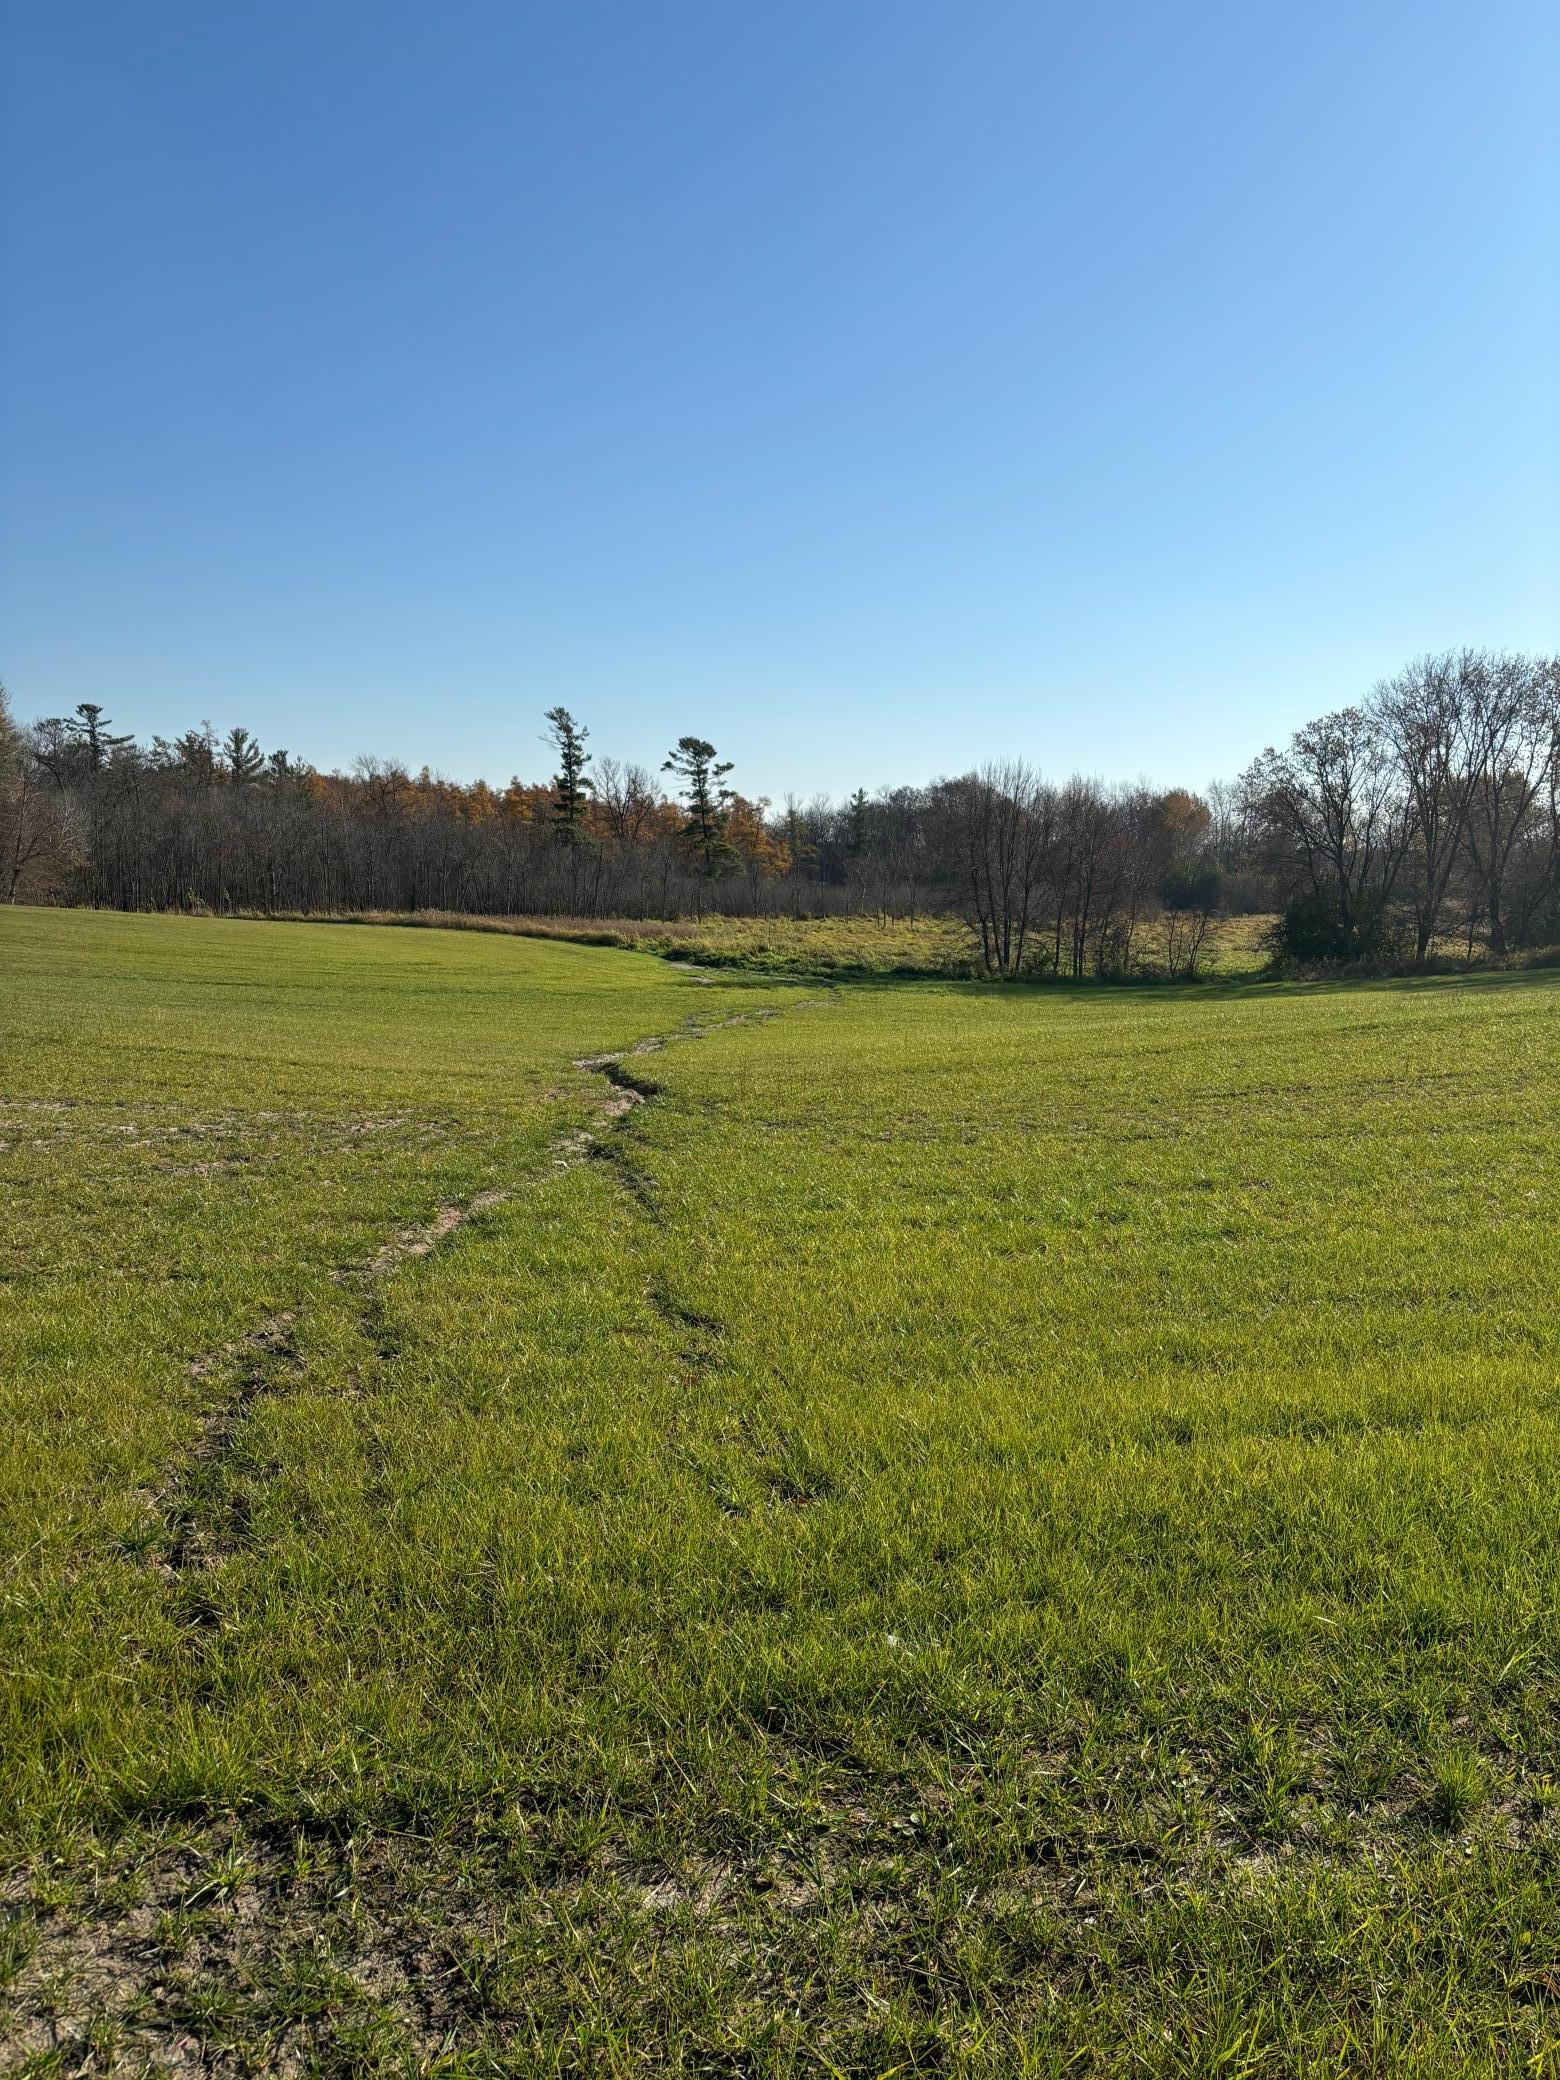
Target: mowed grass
column 999, row 1532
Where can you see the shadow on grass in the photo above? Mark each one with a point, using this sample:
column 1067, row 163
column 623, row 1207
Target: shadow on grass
column 743, row 971
column 1204, row 989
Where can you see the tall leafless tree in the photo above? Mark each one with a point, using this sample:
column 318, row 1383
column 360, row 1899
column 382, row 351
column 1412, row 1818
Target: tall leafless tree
column 1512, row 732
column 1007, row 829
column 1331, row 809
column 1425, row 717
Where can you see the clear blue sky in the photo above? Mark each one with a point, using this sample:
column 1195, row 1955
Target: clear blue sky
column 869, row 387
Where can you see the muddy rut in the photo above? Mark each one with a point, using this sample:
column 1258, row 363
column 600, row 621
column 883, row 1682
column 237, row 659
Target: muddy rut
column 197, row 1532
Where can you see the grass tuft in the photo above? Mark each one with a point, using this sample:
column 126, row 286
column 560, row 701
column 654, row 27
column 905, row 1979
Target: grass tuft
column 1456, row 1791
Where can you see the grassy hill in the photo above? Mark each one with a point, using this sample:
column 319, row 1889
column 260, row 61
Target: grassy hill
column 908, row 1527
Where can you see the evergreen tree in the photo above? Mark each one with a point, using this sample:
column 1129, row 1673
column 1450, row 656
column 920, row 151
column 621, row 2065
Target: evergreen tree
column 706, row 799
column 245, row 759
column 90, row 728
column 856, row 828
column 571, row 783
column 798, row 843
column 195, row 753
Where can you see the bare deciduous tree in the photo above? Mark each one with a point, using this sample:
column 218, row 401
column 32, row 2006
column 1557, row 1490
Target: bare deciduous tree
column 1373, row 824
column 1007, row 828
column 1512, row 730
column 1330, row 809
column 35, row 850
column 1425, row 715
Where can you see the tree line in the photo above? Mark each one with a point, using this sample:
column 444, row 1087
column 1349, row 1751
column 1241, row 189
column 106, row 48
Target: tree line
column 1379, row 833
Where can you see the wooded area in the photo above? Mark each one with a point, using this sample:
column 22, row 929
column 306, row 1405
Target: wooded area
column 1378, row 833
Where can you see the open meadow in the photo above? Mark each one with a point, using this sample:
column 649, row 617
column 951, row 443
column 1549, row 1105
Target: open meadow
column 566, row 1515
column 855, row 947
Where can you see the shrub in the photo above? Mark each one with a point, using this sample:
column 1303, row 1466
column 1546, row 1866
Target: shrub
column 1197, row 887
column 1311, row 933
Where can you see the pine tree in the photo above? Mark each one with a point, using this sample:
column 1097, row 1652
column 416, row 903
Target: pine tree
column 245, row 759
column 571, row 783
column 90, row 728
column 797, row 843
column 856, row 828
column 195, row 753
column 706, row 799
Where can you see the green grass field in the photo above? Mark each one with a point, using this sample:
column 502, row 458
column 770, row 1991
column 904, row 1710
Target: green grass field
column 854, row 947
column 974, row 1532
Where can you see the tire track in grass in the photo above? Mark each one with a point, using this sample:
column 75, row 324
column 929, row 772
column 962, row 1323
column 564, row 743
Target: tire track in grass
column 203, row 1517
column 396, row 1956
column 261, row 1362
column 698, row 1336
